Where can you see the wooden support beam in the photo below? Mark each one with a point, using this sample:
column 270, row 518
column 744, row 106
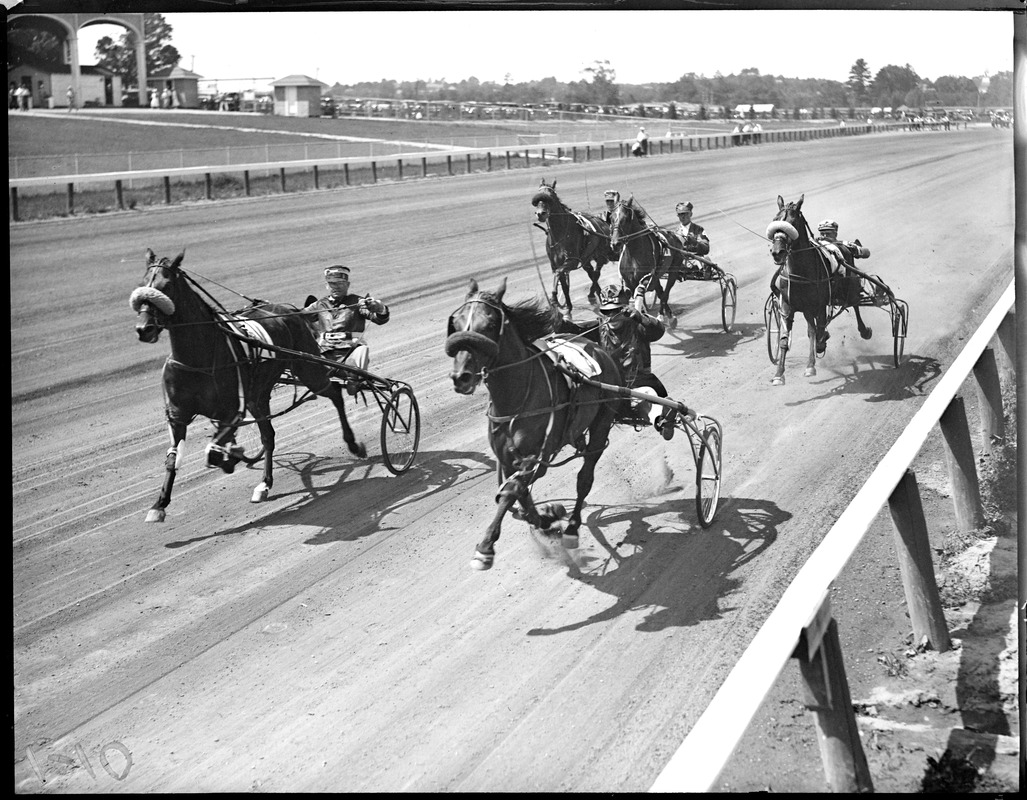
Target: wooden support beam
column 966, row 489
column 916, row 565
column 826, row 691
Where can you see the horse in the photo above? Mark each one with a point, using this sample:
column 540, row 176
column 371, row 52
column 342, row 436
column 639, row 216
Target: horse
column 572, row 240
column 641, row 254
column 535, row 412
column 209, row 367
column 803, row 283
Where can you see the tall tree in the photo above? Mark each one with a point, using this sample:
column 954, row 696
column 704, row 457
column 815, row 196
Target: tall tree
column 120, row 57
column 29, row 44
column 892, row 84
column 859, row 79
column 603, row 86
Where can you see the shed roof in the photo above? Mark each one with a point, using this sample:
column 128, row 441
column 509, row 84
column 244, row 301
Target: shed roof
column 299, row 80
column 173, row 73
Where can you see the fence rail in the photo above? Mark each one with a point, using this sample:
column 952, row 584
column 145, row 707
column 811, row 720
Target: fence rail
column 801, row 625
column 504, row 154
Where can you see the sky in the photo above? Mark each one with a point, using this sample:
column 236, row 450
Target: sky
column 641, row 46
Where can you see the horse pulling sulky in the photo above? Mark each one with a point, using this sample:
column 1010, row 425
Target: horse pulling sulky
column 812, row 280
column 223, row 365
column 572, row 240
column 541, row 404
column 649, row 254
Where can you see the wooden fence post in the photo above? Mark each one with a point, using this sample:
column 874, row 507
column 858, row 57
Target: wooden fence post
column 281, row 178
column 966, row 490
column 345, row 174
column 167, row 190
column 1006, row 335
column 424, row 167
column 208, row 186
column 989, row 397
column 14, row 203
column 399, row 169
column 246, row 181
column 317, row 184
column 916, row 565
column 119, row 194
column 71, row 198
column 374, row 172
column 826, row 691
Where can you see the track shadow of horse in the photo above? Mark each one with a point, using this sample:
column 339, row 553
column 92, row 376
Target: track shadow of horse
column 874, row 376
column 709, row 342
column 361, row 511
column 660, row 563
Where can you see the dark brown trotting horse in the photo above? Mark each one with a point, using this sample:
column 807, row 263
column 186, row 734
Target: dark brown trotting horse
column 534, row 412
column 572, row 240
column 215, row 374
column 642, row 257
column 803, row 283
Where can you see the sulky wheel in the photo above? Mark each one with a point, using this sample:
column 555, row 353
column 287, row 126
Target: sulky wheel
column 728, row 298
column 707, row 476
column 401, row 430
column 772, row 320
column 899, row 321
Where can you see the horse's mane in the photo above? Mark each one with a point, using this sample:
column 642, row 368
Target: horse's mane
column 532, row 319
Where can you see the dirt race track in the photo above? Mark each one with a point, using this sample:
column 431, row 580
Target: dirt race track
column 335, row 638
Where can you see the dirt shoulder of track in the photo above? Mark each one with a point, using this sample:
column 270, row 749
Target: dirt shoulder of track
column 928, row 721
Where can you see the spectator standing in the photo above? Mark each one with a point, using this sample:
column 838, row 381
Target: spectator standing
column 12, row 95
column 23, row 98
column 71, row 99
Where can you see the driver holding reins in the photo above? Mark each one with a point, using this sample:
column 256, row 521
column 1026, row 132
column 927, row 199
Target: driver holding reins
column 625, row 331
column 341, row 317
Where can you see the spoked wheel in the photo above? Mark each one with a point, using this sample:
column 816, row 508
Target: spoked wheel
column 772, row 320
column 707, row 476
column 401, row 430
column 728, row 298
column 899, row 321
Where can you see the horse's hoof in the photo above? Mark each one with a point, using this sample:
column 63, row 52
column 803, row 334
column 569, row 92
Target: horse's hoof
column 259, row 494
column 867, row 332
column 810, row 372
column 552, row 511
column 569, row 541
column 155, row 515
column 776, row 381
column 482, row 562
column 672, row 323
column 358, row 449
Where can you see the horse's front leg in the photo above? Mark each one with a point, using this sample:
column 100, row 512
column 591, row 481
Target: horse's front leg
column 666, row 312
column 267, row 439
column 817, row 343
column 788, row 318
column 513, row 489
column 562, row 280
column 172, row 461
column 594, row 290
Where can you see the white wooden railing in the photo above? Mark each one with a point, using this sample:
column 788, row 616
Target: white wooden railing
column 801, row 626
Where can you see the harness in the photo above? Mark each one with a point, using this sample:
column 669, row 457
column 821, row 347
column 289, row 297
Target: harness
column 495, row 420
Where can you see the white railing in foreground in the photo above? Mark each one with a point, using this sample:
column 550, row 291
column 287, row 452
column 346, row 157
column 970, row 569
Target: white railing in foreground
column 703, row 755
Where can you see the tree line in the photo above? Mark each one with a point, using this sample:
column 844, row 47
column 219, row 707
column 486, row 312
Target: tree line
column 891, row 86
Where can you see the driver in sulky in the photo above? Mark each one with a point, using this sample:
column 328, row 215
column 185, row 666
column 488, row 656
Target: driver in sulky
column 341, row 317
